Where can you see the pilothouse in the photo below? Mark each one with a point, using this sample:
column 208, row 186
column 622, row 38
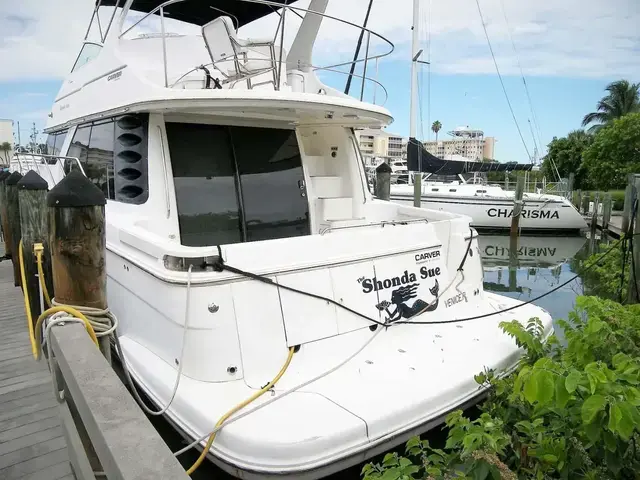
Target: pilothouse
column 239, row 223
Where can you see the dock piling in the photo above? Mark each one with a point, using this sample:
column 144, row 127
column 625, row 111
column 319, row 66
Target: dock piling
column 77, row 239
column 584, row 208
column 3, row 214
column 383, row 181
column 572, row 181
column 607, row 204
column 594, row 213
column 629, row 197
column 577, row 199
column 633, row 294
column 32, row 194
column 517, row 206
column 13, row 221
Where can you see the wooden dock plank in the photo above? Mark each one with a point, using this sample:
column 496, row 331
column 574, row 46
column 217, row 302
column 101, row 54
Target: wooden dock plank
column 32, row 445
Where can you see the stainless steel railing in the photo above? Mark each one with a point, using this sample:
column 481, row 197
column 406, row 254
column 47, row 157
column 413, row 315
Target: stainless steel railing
column 371, row 37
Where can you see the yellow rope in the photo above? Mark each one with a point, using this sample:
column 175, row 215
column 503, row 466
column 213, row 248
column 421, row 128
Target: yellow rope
column 35, row 332
column 240, row 406
column 27, row 304
column 39, row 250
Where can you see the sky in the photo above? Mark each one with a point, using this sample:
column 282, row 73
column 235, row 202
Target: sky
column 566, row 50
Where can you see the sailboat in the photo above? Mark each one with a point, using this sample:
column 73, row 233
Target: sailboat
column 242, row 241
column 488, row 206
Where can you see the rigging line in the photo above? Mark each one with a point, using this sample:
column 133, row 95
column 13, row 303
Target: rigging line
column 524, row 80
column 486, row 34
column 429, row 68
column 357, row 52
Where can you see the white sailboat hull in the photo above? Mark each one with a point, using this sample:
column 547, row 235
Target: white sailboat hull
column 540, row 212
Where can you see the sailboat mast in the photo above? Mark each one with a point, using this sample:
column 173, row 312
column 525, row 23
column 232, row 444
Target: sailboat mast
column 413, row 110
column 415, row 45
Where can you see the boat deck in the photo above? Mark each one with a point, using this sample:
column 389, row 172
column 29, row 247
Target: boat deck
column 32, row 445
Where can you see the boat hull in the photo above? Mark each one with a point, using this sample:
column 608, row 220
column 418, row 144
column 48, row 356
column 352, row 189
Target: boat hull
column 496, row 213
column 404, row 381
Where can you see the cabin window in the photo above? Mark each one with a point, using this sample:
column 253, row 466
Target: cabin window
column 236, row 184
column 435, row 189
column 481, row 191
column 54, row 145
column 453, row 190
column 98, row 166
column 113, row 155
column 88, row 52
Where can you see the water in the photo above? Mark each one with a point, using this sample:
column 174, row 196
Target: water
column 542, row 264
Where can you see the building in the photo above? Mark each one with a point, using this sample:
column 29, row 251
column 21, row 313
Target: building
column 466, row 142
column 377, row 145
column 6, row 137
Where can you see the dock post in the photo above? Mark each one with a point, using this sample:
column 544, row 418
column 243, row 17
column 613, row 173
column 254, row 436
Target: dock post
column 629, row 197
column 32, row 194
column 77, row 239
column 633, row 295
column 577, row 199
column 13, row 221
column 517, row 207
column 383, row 181
column 506, row 180
column 607, row 204
column 585, row 204
column 417, row 189
column 572, row 181
column 3, row 215
column 594, row 214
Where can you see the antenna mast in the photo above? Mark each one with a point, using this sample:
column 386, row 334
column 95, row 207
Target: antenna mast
column 413, row 111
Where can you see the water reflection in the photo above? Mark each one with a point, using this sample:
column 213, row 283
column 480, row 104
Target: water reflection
column 539, row 265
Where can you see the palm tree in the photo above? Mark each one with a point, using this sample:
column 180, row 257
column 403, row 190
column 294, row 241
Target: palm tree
column 436, row 128
column 5, row 148
column 623, row 98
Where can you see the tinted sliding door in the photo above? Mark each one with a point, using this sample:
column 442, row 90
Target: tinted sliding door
column 272, row 183
column 237, row 184
column 205, row 182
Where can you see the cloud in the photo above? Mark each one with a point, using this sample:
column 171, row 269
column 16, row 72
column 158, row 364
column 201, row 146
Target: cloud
column 40, row 39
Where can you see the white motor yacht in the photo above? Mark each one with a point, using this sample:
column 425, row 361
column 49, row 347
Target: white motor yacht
column 240, row 229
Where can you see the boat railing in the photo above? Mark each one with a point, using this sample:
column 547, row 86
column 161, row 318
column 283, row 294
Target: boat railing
column 243, row 52
column 39, row 162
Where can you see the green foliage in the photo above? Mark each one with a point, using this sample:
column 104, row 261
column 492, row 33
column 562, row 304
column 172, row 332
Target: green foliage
column 622, row 98
column 614, row 153
column 567, row 412
column 566, row 154
column 436, row 128
column 601, row 276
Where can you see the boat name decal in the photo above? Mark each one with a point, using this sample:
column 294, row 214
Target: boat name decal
column 506, row 213
column 426, row 256
column 374, row 284
column 461, row 297
column 493, row 251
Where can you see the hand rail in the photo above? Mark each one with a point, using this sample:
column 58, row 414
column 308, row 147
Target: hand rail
column 280, row 32
column 41, row 156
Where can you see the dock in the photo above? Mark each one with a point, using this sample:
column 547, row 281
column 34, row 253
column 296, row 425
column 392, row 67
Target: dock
column 614, row 228
column 32, row 442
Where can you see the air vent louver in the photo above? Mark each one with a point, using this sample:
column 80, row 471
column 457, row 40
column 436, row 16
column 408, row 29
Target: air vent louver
column 131, row 163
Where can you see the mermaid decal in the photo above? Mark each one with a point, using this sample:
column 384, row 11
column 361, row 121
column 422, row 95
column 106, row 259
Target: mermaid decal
column 402, row 295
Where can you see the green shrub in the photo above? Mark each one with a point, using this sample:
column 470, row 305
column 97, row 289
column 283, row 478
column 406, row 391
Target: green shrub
column 567, row 412
column 617, row 198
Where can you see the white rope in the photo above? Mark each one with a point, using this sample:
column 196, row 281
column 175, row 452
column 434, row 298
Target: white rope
column 104, row 322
